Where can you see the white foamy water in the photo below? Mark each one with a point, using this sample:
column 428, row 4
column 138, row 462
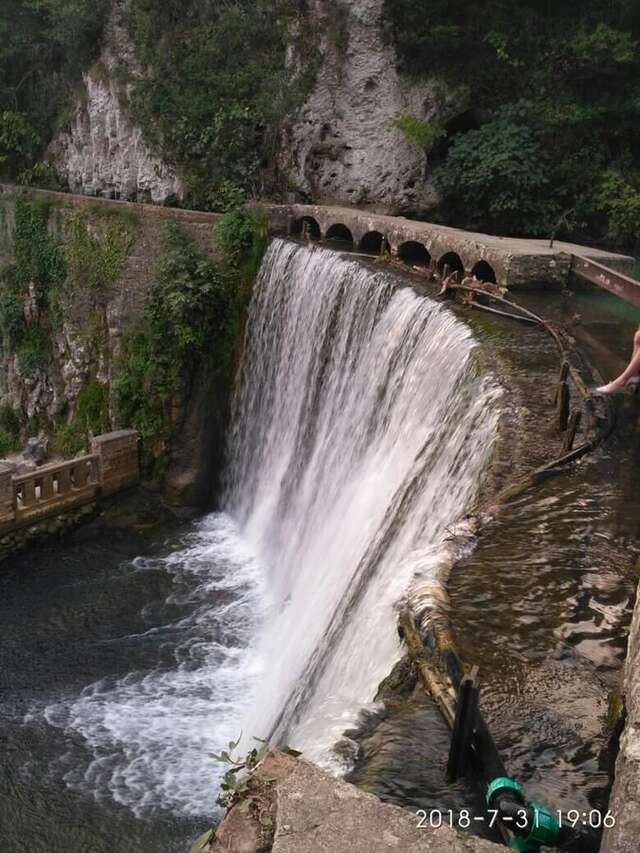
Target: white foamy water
column 360, row 432
column 151, row 733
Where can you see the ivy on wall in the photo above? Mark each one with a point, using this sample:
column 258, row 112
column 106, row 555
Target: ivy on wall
column 70, row 261
column 191, row 320
column 96, row 247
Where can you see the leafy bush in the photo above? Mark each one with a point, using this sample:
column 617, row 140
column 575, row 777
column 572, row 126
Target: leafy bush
column 242, row 236
column 216, row 87
column 497, row 177
column 34, row 349
column 6, row 443
column 620, row 200
column 12, row 322
column 17, row 138
column 69, row 439
column 9, row 420
column 92, row 408
column 9, row 429
column 191, row 319
column 579, row 66
column 44, row 47
column 38, row 258
column 96, row 251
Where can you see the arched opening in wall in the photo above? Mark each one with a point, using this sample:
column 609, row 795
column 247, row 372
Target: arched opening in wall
column 484, row 272
column 339, row 233
column 414, row 254
column 451, row 262
column 306, row 225
column 372, row 242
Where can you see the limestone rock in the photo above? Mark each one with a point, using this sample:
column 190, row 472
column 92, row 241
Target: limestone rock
column 102, row 152
column 342, row 147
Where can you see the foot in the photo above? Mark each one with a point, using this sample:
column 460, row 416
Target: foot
column 611, row 388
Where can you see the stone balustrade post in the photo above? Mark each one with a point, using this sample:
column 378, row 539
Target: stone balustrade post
column 7, row 511
column 118, row 459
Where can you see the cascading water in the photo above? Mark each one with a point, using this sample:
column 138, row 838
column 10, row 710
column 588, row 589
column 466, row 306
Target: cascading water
column 360, row 432
column 361, row 429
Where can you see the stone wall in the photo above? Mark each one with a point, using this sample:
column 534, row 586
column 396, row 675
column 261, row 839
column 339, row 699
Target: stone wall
column 86, row 340
column 118, row 460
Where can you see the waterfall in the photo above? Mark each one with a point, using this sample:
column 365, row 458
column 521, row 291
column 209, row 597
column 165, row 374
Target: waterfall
column 361, row 429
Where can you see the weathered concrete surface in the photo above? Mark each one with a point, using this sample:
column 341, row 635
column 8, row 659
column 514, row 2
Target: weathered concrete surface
column 316, row 813
column 624, row 804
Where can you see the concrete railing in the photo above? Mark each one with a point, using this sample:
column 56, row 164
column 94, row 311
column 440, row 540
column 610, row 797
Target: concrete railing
column 112, row 465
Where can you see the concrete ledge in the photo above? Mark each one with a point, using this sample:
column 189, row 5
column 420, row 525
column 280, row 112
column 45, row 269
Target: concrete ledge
column 309, row 811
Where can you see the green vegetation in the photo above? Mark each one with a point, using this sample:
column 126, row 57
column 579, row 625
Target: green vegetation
column 9, row 429
column 91, row 418
column 63, row 268
column 97, row 248
column 554, row 91
column 191, row 320
column 28, row 286
column 44, row 47
column 417, row 131
column 217, row 89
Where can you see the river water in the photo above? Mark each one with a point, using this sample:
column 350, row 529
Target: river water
column 138, row 645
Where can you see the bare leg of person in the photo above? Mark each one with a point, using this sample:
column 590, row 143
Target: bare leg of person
column 629, row 374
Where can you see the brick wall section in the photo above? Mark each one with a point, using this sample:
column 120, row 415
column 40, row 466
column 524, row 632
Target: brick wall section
column 118, row 460
column 6, row 494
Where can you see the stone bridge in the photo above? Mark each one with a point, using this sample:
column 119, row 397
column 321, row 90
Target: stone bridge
column 509, row 262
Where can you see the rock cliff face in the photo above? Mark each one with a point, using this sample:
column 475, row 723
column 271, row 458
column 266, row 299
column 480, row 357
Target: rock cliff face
column 102, row 152
column 340, row 147
column 343, row 147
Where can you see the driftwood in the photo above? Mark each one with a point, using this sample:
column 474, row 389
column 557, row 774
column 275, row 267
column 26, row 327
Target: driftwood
column 432, row 680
